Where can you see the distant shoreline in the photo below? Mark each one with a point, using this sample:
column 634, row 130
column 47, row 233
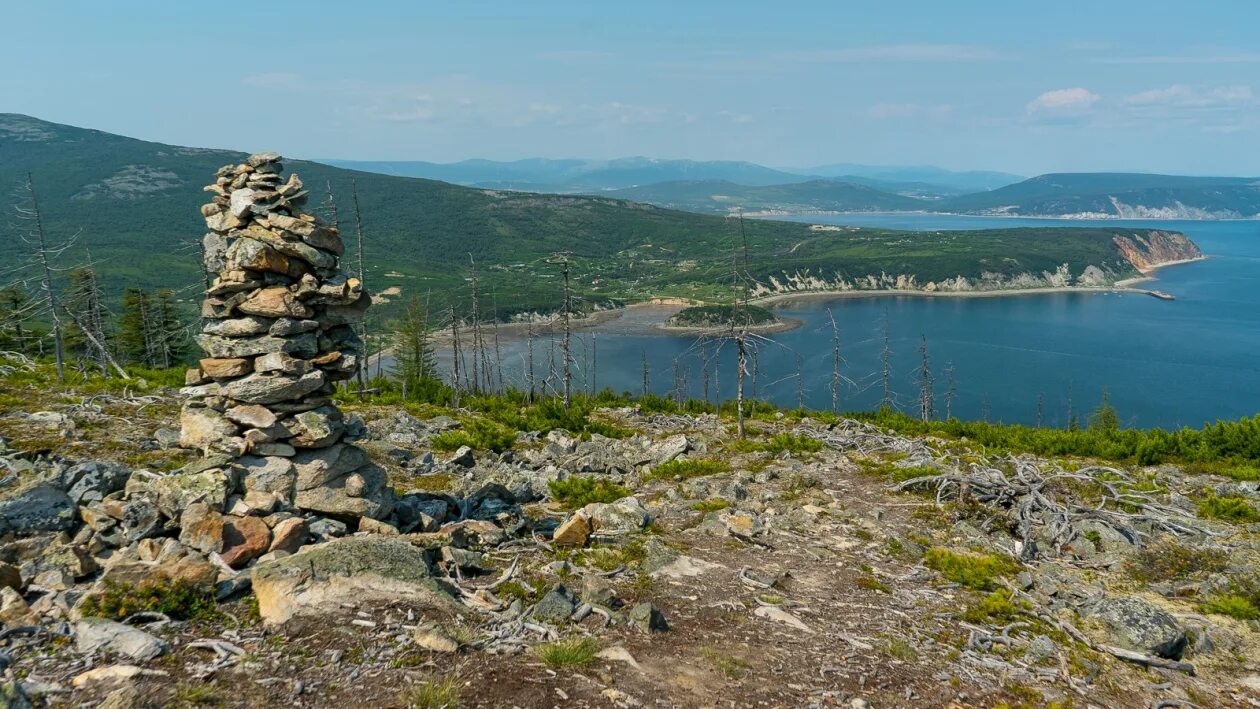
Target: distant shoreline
column 649, row 316
column 922, row 213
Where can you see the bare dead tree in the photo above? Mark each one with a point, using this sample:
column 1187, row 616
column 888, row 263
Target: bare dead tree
column 985, row 407
column 885, row 361
column 800, row 385
column 361, row 374
column 704, row 369
column 568, row 334
column 951, row 390
column 529, row 358
column 646, row 380
column 498, row 353
column 1041, row 407
column 455, row 356
column 927, row 396
column 43, row 254
column 594, row 366
column 835, row 363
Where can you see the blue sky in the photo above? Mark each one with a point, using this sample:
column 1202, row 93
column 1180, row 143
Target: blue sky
column 1017, row 86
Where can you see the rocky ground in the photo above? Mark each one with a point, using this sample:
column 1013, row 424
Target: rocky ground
column 816, row 564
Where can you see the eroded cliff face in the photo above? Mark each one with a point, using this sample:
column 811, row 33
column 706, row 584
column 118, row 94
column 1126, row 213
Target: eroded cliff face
column 1155, row 248
column 1143, row 251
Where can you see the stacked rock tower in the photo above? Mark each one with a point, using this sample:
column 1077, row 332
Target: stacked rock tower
column 277, row 332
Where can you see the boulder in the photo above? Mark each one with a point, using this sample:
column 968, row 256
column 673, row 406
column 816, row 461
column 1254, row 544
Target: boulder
column 275, row 302
column 251, row 416
column 92, row 481
column 648, row 618
column 204, row 429
column 317, row 428
column 624, row 515
column 348, row 570
column 322, row 465
column 362, row 493
column 42, row 508
column 225, row 367
column 174, row 493
column 100, row 635
column 303, row 345
column 289, row 535
column 1140, row 625
column 244, row 539
column 272, row 388
column 557, row 605
column 239, row 327
column 573, row 533
column 272, row 474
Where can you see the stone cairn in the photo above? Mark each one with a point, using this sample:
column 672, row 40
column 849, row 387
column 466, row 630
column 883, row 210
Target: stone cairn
column 278, row 335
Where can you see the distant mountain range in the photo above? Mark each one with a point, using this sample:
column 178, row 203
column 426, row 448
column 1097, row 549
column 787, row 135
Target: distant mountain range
column 594, row 176
column 723, row 187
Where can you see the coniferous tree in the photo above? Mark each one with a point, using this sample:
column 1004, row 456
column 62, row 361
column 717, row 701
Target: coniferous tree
column 135, row 331
column 87, row 332
column 15, row 307
column 414, row 361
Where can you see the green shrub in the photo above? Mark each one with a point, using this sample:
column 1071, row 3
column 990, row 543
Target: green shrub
column 179, row 600
column 785, row 442
column 1229, row 509
column 580, row 491
column 978, row 571
column 476, row 433
column 1168, row 559
column 714, row 504
column 1232, row 605
column 434, row 694
column 570, row 653
column 688, row 469
column 994, row 609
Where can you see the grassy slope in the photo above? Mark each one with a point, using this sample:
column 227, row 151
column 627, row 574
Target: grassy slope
column 426, row 230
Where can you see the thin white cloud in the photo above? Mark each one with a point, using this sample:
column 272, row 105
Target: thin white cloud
column 1073, row 100
column 898, row 53
column 1183, row 96
column 1223, row 58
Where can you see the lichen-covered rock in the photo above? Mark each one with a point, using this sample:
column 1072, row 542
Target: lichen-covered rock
column 352, row 569
column 42, row 508
column 1140, row 625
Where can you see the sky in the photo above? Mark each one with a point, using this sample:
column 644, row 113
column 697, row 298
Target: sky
column 1023, row 87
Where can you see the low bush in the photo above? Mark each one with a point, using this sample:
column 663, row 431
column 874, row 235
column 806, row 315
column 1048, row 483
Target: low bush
column 688, row 469
column 1229, row 509
column 180, row 600
column 1232, row 605
column 1167, row 558
column 978, row 571
column 569, row 653
column 580, row 491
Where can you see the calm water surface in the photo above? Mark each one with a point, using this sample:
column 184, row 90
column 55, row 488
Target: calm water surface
column 1165, row 363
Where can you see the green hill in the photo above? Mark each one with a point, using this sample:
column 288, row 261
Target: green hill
column 135, row 204
column 1117, row 195
column 722, row 196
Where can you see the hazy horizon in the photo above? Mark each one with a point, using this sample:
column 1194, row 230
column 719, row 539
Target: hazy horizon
column 1128, row 86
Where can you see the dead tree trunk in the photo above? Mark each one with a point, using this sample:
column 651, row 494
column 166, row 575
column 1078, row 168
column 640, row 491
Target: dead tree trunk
column 835, row 363
column 50, row 297
column 361, row 374
column 885, row 359
column 455, row 355
column 927, row 404
column 951, row 390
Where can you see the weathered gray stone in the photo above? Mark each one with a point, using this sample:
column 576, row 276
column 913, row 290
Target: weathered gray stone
column 322, row 465
column 317, row 428
column 1141, row 625
column 352, row 569
column 42, row 508
column 275, row 302
column 272, row 388
column 251, row 415
column 203, row 428
column 362, row 493
column 92, row 481
column 220, row 346
column 101, row 635
column 239, row 327
column 281, row 362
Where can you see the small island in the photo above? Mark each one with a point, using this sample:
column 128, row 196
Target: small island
column 710, row 318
